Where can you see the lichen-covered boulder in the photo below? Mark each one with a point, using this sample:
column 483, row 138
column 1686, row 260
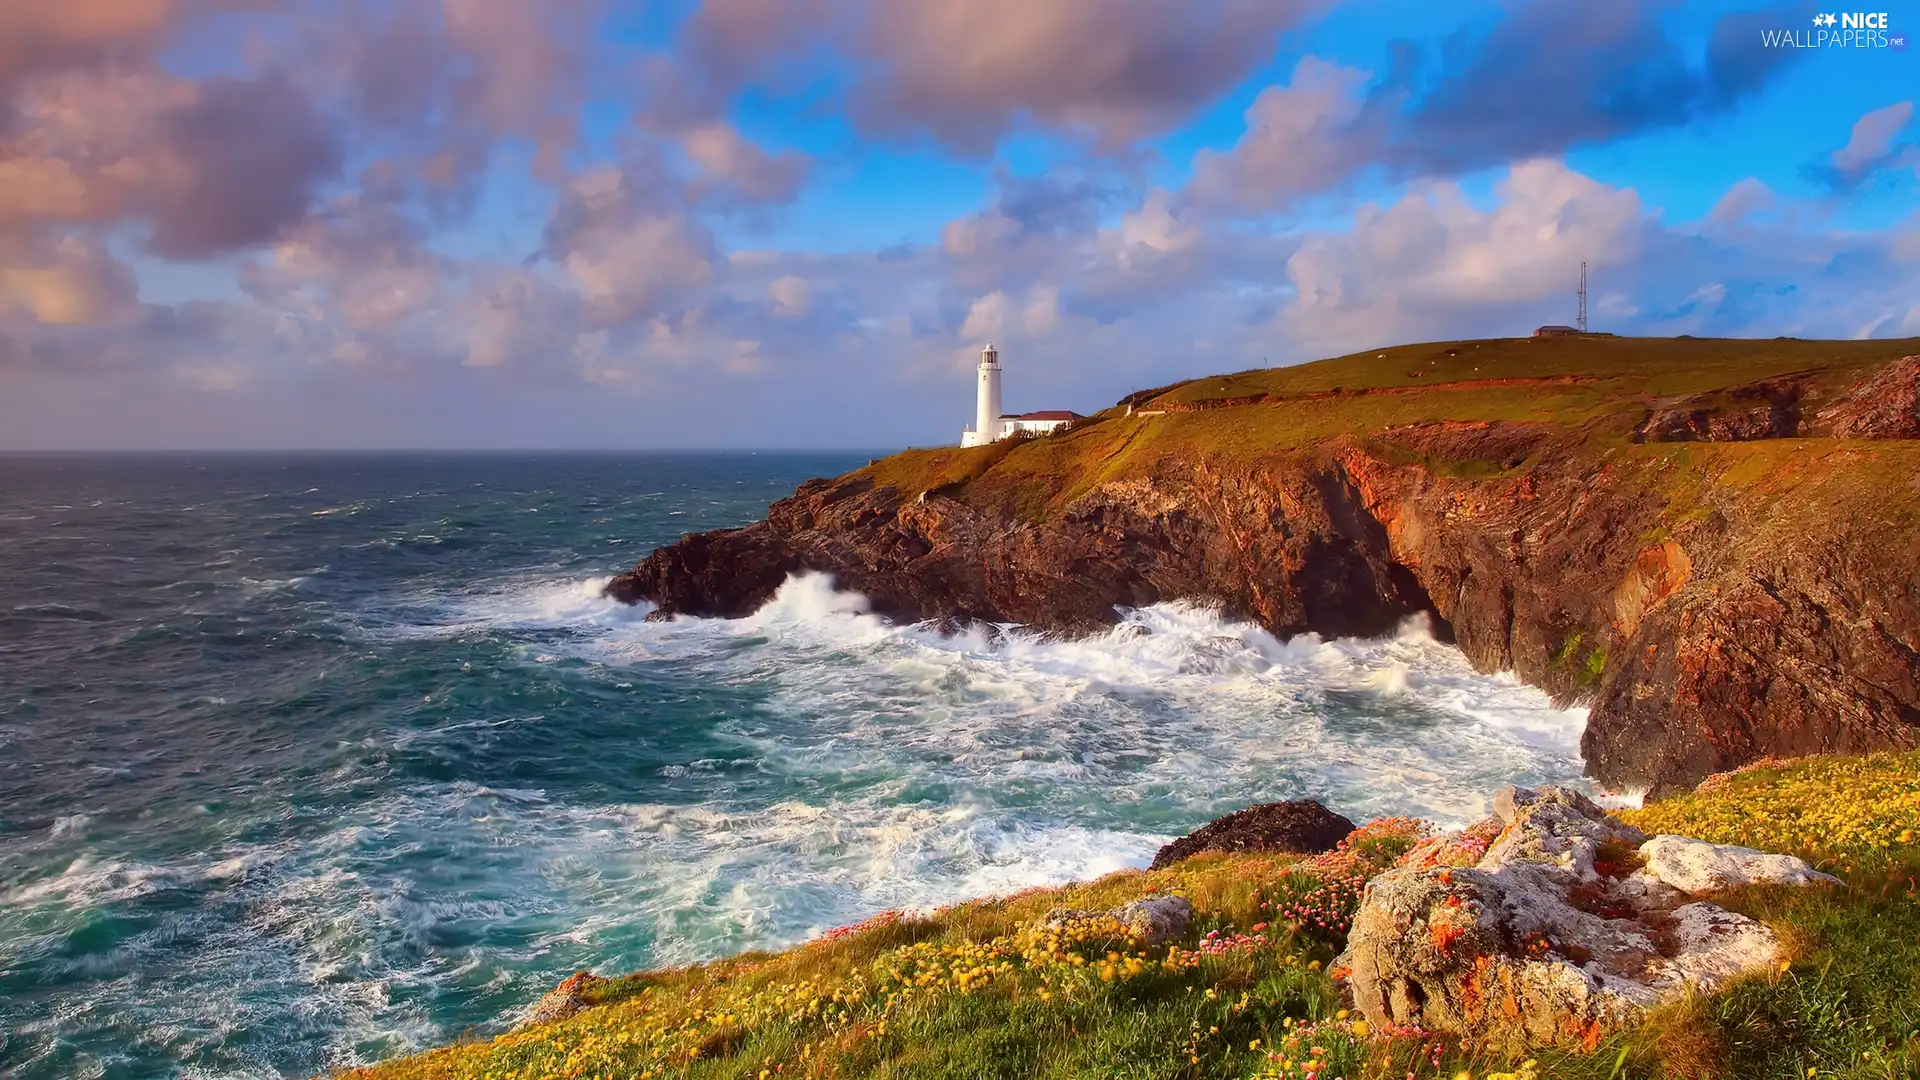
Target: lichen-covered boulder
column 1156, row 920
column 1301, row 827
column 1152, row 922
column 1568, row 928
column 1698, row 868
column 562, row 1001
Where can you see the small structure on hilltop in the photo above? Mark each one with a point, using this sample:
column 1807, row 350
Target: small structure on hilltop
column 1557, row 330
column 989, row 425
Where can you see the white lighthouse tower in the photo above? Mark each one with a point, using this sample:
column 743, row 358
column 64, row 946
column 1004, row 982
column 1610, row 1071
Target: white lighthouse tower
column 986, row 413
column 990, row 424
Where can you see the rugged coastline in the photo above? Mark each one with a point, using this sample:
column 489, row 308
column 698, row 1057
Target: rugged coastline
column 1708, row 542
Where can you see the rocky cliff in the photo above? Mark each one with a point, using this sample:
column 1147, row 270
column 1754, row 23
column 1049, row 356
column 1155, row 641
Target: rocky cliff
column 1711, row 543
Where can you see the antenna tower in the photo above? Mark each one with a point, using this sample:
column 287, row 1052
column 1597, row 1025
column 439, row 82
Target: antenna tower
column 1582, row 321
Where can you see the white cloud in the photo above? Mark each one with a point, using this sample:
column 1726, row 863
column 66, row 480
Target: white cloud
column 1301, row 138
column 791, row 295
column 1871, row 142
column 1432, row 261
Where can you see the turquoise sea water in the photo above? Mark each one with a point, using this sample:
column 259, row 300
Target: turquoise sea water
column 308, row 761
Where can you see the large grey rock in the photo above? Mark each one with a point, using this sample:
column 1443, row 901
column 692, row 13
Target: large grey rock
column 1152, row 922
column 1558, row 934
column 1156, row 920
column 1698, row 868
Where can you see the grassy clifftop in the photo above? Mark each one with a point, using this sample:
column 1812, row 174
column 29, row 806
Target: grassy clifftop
column 1600, row 389
column 990, row 990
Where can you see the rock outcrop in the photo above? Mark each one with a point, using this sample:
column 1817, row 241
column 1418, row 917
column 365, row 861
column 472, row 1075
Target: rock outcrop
column 1712, row 603
column 1884, row 406
column 1151, row 922
column 1564, row 931
column 562, row 1001
column 1302, row 827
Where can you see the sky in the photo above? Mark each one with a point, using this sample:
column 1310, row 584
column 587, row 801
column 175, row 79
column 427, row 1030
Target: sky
column 596, row 224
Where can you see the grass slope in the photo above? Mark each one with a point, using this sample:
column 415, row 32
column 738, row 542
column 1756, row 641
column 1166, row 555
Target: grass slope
column 990, row 990
column 1599, row 388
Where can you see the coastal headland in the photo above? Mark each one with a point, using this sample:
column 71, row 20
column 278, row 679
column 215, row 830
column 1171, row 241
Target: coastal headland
column 1710, row 542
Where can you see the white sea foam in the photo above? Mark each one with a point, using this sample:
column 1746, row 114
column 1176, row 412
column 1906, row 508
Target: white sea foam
column 932, row 766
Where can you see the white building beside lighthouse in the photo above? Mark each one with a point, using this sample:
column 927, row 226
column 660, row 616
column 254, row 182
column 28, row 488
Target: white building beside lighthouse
column 989, row 424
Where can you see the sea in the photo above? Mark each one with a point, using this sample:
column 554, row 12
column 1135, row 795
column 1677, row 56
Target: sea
column 309, row 761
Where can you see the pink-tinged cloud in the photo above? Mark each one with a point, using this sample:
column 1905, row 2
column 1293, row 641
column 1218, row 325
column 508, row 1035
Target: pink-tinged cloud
column 965, row 74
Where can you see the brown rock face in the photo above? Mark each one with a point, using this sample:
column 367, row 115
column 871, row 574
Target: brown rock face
column 1763, row 410
column 1709, row 616
column 562, row 1001
column 1303, row 827
column 1885, row 406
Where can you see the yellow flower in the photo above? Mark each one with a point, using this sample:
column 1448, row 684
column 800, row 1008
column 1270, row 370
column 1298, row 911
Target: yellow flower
column 1360, row 1029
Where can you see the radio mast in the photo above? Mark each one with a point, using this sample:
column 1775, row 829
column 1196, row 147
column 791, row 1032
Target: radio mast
column 1581, row 322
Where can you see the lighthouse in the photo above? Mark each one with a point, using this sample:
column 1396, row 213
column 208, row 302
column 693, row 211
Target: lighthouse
column 989, row 424
column 986, row 409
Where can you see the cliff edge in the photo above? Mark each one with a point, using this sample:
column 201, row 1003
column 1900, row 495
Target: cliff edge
column 1710, row 542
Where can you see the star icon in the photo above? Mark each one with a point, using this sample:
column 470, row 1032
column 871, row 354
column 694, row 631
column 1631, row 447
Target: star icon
column 1819, row 20
column 1830, row 19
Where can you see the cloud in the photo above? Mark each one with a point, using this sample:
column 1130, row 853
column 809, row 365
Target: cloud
column 964, row 75
column 1871, row 148
column 791, row 295
column 452, row 77
column 1433, row 261
column 41, row 36
column 1561, row 73
column 205, row 167
column 1549, row 76
column 75, row 282
column 1742, row 200
column 733, row 169
column 627, row 244
column 1301, row 138
column 1433, row 266
column 242, row 161
column 1158, row 226
column 358, row 260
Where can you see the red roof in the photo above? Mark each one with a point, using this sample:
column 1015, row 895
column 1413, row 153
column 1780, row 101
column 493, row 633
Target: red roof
column 1047, row 414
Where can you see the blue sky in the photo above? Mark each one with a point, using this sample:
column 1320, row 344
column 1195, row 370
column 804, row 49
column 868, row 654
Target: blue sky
column 793, row 223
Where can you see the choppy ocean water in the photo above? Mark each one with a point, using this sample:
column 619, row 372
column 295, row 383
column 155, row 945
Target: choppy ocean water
column 309, row 761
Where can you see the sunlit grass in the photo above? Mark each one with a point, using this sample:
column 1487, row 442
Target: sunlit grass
column 1591, row 392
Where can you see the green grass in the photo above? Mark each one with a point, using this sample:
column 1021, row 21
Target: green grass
column 981, row 990
column 1656, row 366
column 1585, row 392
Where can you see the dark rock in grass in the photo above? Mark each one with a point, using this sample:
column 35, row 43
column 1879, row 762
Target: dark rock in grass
column 1302, row 827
